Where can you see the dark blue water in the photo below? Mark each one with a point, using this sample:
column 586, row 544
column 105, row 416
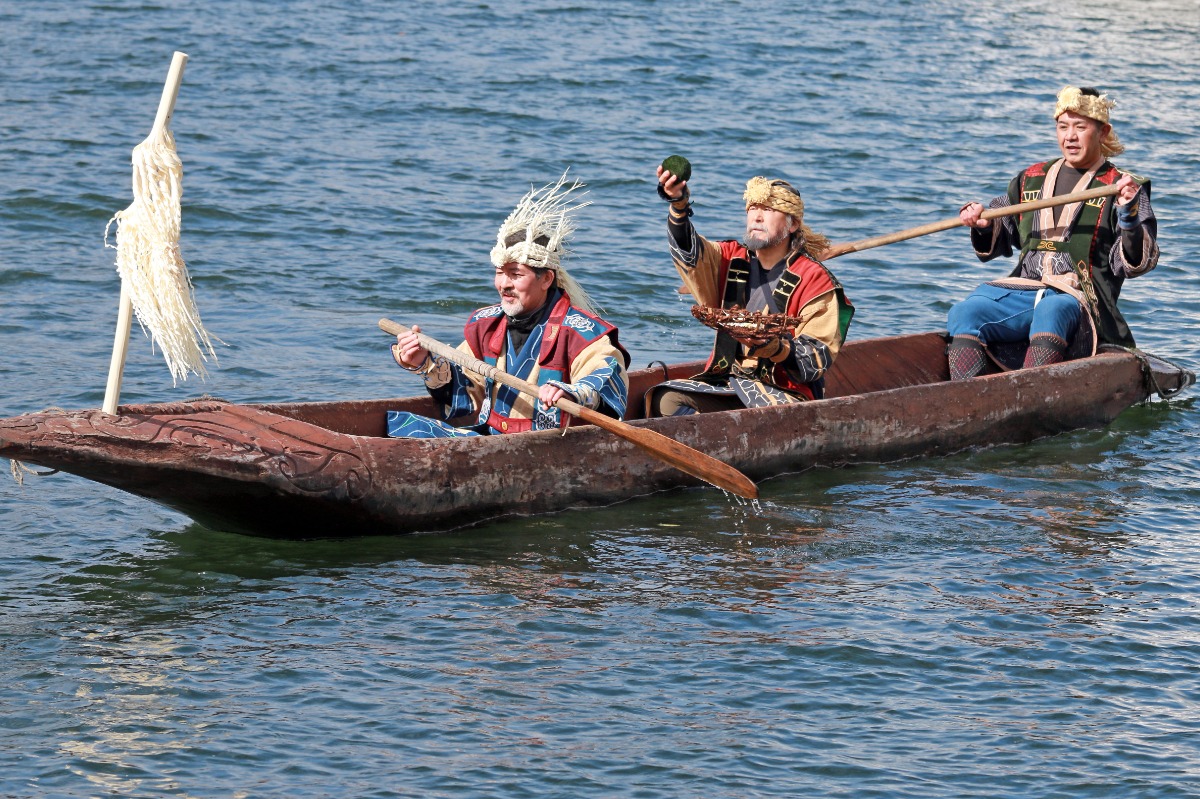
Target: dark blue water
column 1018, row 622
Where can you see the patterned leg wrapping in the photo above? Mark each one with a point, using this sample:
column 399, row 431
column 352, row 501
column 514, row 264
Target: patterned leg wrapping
column 966, row 357
column 1044, row 350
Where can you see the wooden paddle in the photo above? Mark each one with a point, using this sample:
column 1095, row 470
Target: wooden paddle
column 934, row 227
column 946, row 224
column 682, row 457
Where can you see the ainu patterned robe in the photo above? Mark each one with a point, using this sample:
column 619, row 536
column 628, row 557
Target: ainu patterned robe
column 718, row 275
column 1080, row 241
column 568, row 347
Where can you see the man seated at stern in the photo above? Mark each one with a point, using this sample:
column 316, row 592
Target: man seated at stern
column 1072, row 259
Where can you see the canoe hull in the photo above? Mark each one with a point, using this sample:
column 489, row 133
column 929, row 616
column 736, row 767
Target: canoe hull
column 320, row 470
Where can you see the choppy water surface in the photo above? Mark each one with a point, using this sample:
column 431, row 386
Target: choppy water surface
column 1015, row 622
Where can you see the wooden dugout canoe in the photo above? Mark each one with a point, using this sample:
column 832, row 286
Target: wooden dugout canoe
column 326, row 470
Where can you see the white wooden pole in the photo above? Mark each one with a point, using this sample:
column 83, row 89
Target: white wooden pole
column 116, row 367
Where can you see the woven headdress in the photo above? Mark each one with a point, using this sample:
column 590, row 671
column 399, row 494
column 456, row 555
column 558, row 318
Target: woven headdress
column 777, row 194
column 1093, row 105
column 535, row 234
column 780, row 195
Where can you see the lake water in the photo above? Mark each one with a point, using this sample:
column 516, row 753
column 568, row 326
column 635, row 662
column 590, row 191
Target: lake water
column 1017, row 622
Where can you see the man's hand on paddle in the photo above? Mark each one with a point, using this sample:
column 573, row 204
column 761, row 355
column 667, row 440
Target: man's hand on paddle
column 969, row 214
column 1129, row 189
column 550, row 394
column 412, row 354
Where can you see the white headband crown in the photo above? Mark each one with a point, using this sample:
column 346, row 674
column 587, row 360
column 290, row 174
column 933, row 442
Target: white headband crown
column 535, row 233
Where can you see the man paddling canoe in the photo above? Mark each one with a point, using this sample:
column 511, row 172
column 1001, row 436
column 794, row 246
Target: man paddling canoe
column 1072, row 258
column 773, row 271
column 544, row 330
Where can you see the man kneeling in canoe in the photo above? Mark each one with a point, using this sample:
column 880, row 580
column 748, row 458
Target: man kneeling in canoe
column 1072, row 257
column 544, row 330
column 775, row 272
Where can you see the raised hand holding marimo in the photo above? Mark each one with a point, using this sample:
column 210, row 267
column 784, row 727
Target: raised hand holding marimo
column 678, row 166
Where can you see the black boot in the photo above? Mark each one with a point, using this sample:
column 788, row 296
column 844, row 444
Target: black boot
column 1044, row 349
column 966, row 357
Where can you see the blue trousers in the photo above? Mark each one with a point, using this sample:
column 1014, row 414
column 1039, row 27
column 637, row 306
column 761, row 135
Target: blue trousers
column 995, row 314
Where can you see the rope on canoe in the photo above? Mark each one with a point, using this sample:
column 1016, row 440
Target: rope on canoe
column 663, row 364
column 1148, row 372
column 19, row 470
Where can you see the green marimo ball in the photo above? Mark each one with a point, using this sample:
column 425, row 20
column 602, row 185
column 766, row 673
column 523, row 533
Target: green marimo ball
column 678, row 166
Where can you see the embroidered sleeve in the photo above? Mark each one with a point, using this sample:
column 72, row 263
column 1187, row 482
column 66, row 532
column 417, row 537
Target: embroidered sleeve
column 681, row 234
column 810, row 359
column 1147, row 225
column 598, row 378
column 697, row 259
column 998, row 239
column 456, row 390
column 816, row 341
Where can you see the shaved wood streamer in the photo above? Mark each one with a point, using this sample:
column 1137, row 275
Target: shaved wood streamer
column 150, row 263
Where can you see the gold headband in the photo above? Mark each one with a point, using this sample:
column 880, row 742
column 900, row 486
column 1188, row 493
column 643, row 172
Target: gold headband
column 1092, row 107
column 777, row 194
column 1088, row 105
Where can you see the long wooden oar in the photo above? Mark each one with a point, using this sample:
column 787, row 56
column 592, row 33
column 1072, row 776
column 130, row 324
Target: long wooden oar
column 682, row 457
column 946, row 224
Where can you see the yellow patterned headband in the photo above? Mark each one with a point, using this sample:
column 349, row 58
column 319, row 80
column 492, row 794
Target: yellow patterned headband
column 777, row 194
column 1093, row 107
column 1089, row 105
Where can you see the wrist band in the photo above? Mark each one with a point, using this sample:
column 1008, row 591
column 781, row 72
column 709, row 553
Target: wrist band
column 423, row 369
column 1127, row 216
column 686, row 197
column 684, row 212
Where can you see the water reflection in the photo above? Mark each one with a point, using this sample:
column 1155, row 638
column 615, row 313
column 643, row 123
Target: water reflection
column 128, row 697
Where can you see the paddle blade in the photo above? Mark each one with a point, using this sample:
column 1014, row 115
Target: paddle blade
column 682, row 457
